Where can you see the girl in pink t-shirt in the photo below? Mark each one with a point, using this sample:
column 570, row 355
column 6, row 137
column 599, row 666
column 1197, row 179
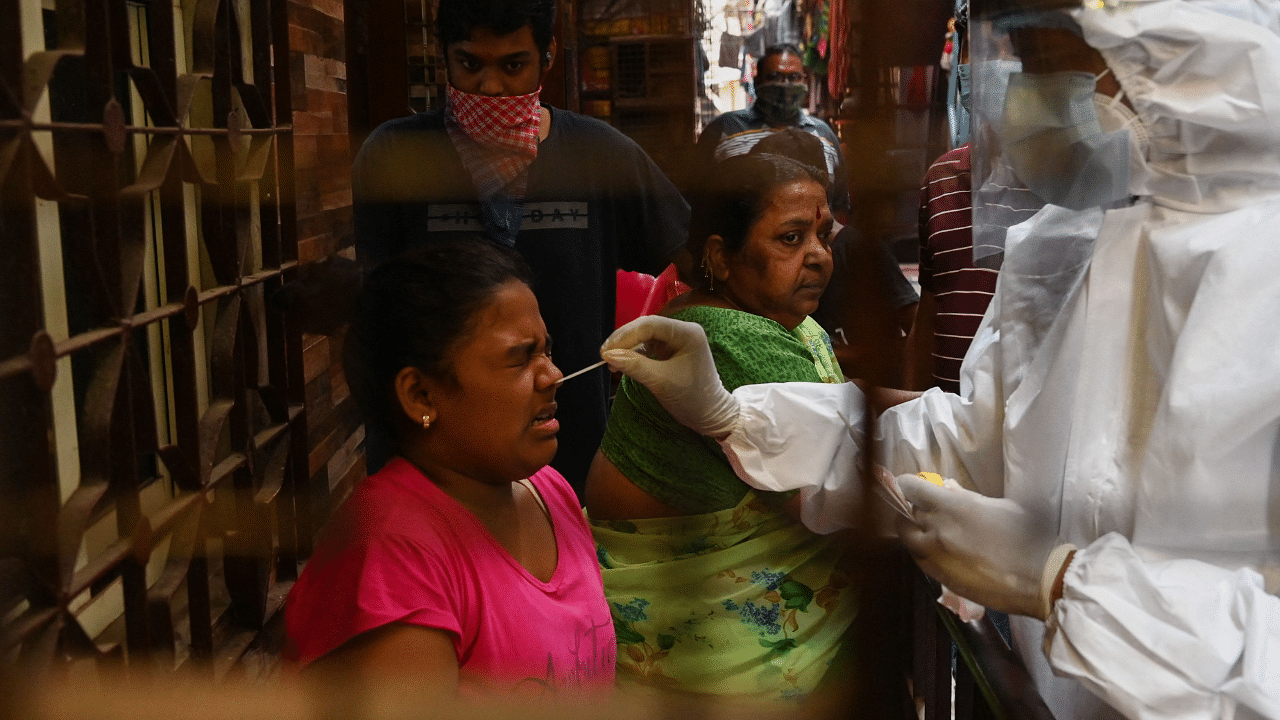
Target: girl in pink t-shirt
column 466, row 560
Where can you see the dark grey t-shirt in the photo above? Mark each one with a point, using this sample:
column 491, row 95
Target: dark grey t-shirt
column 595, row 203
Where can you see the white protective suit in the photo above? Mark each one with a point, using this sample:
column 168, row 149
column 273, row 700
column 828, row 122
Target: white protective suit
column 1126, row 381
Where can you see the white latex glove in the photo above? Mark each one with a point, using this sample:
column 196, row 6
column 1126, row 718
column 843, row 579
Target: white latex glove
column 685, row 381
column 989, row 550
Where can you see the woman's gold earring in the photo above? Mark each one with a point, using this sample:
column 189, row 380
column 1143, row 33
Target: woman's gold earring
column 706, row 272
column 426, row 422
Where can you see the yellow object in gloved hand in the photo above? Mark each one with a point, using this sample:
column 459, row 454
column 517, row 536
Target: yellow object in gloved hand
column 932, row 477
column 989, row 550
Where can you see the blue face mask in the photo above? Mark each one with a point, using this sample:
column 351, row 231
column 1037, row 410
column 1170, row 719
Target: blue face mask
column 958, row 105
column 1050, row 135
column 962, row 87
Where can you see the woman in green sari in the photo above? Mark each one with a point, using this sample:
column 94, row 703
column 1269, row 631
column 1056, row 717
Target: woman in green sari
column 716, row 587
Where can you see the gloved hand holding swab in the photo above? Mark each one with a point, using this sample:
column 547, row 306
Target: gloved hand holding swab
column 685, row 381
column 641, row 349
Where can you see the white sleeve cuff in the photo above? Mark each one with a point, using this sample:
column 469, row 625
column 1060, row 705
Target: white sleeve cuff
column 802, row 436
column 1173, row 639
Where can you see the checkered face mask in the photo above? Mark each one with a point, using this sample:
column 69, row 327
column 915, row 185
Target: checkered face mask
column 497, row 137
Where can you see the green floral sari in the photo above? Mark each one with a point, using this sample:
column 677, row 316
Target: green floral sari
column 735, row 597
column 743, row 601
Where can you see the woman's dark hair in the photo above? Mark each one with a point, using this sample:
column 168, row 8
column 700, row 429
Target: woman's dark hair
column 413, row 310
column 457, row 19
column 733, row 195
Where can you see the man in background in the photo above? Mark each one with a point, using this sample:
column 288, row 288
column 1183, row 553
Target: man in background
column 574, row 196
column 781, row 90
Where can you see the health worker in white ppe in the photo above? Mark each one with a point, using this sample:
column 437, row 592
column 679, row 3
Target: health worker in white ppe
column 1117, row 434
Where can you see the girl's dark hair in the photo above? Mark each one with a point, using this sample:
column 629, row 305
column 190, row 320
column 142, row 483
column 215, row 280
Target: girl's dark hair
column 456, row 19
column 733, row 194
column 413, row 310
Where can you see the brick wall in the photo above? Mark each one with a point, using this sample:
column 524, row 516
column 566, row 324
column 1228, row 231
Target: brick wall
column 322, row 161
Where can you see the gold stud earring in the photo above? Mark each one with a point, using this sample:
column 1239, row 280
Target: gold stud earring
column 426, row 422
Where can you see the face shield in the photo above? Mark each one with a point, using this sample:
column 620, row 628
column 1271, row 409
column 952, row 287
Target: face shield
column 958, row 80
column 1042, row 133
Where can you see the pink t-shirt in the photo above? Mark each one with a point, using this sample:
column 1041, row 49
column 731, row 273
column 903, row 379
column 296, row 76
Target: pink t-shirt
column 401, row 550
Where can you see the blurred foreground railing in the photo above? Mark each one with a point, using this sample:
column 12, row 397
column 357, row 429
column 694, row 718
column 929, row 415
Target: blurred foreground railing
column 990, row 680
column 291, row 697
column 309, row 699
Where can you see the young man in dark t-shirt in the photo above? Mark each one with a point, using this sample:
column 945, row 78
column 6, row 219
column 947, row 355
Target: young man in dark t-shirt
column 575, row 197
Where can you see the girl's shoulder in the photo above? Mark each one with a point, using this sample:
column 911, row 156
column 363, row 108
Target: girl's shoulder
column 556, row 492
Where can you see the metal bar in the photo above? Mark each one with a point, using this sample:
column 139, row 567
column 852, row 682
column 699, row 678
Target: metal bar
column 143, row 129
column 104, row 563
column 28, row 512
column 22, row 363
column 105, row 217
column 999, row 672
column 296, row 527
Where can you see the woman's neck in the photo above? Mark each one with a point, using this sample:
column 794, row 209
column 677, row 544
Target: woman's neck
column 696, row 297
column 512, row 516
column 705, row 298
column 492, row 500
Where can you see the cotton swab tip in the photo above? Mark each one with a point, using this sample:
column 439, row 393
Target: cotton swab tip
column 641, row 348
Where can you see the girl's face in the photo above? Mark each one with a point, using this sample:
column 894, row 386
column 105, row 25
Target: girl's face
column 785, row 264
column 497, row 424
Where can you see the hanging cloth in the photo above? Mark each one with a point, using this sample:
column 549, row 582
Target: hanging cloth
column 838, row 65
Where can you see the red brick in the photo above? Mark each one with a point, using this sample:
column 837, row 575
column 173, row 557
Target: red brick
column 305, row 149
column 319, row 246
column 338, row 382
column 316, row 396
column 323, row 73
column 304, row 40
column 320, row 99
column 322, row 155
column 326, row 243
column 316, row 360
column 338, row 198
column 327, row 22
column 307, row 123
column 332, row 8
column 321, row 451
column 308, row 250
column 341, row 217
column 322, row 223
column 318, row 224
column 345, row 455
column 339, row 489
column 335, row 148
column 306, row 204
column 339, row 178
